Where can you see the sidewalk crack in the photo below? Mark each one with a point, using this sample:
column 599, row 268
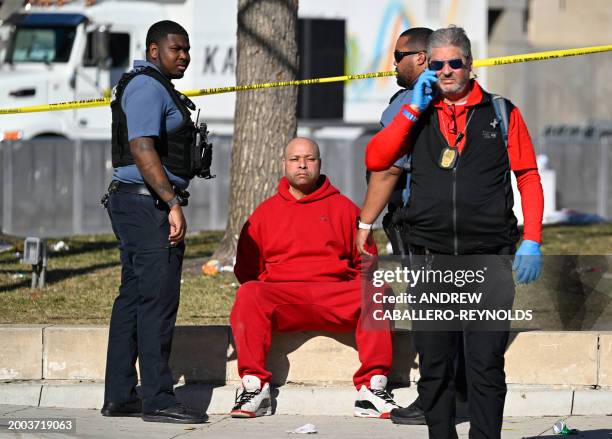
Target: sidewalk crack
column 202, row 427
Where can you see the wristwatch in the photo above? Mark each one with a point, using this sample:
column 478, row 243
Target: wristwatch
column 363, row 226
column 175, row 200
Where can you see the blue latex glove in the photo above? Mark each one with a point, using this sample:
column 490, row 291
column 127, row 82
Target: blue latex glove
column 423, row 93
column 527, row 262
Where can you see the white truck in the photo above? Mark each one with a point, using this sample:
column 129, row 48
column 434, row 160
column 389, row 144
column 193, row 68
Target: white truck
column 75, row 50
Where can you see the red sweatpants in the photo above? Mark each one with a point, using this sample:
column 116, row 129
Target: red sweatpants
column 262, row 307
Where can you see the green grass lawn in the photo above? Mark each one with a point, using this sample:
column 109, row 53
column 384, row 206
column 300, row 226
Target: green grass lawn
column 83, row 281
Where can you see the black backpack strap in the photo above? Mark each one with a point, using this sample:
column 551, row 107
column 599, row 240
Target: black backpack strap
column 500, row 105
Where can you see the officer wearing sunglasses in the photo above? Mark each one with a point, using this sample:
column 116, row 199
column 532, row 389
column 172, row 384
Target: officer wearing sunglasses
column 410, row 57
column 460, row 207
column 390, row 187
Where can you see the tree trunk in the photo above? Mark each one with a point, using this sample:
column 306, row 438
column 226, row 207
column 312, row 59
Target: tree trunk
column 264, row 120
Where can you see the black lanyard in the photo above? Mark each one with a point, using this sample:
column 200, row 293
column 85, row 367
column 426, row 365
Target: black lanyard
column 460, row 136
column 449, row 154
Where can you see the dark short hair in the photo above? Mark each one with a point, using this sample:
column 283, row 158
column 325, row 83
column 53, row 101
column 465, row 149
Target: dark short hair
column 162, row 29
column 417, row 36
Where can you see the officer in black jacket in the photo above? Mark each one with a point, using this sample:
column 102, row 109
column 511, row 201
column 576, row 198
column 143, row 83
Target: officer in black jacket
column 152, row 144
column 459, row 220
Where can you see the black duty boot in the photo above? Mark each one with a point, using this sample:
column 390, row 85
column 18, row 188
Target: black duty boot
column 176, row 414
column 129, row 409
column 411, row 415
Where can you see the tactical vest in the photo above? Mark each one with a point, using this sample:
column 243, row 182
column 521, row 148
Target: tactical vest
column 467, row 209
column 174, row 147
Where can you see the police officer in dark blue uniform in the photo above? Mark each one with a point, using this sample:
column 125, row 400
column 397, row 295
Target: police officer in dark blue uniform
column 410, row 60
column 152, row 141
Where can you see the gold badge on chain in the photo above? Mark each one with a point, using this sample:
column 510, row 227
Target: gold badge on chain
column 448, row 158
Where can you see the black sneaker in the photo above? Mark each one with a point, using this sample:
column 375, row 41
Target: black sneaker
column 411, row 415
column 176, row 414
column 128, row 410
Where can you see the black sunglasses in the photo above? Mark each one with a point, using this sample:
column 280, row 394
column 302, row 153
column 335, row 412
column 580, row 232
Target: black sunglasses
column 399, row 55
column 452, row 63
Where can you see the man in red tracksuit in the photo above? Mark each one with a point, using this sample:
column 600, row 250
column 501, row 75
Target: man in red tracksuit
column 460, row 208
column 300, row 270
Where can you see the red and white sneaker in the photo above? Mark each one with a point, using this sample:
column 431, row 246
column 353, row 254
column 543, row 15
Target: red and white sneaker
column 254, row 400
column 374, row 402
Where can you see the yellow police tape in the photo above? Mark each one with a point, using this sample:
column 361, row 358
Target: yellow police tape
column 487, row 62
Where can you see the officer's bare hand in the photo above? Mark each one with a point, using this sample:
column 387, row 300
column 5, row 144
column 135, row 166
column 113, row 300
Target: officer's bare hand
column 178, row 225
column 362, row 238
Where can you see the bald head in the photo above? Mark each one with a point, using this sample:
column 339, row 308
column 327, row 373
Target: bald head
column 302, row 165
column 302, row 144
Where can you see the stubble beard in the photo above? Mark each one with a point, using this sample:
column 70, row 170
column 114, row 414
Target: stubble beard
column 453, row 89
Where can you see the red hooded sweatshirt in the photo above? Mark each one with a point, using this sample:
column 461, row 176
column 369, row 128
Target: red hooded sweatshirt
column 307, row 240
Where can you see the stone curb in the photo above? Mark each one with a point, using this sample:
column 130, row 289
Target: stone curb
column 206, row 354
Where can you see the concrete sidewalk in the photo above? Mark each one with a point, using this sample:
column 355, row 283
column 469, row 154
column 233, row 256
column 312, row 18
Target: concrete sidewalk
column 90, row 424
column 294, row 399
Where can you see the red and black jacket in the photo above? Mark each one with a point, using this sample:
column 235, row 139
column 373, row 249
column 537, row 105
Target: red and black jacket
column 466, row 209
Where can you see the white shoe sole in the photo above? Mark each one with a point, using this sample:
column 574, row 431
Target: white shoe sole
column 246, row 414
column 369, row 413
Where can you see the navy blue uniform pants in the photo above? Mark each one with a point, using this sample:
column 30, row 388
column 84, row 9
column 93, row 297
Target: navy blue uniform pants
column 144, row 312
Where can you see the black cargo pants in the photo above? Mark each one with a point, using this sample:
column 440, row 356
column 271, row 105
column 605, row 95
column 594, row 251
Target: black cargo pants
column 484, row 344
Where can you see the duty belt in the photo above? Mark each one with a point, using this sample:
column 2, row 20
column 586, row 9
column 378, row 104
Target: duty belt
column 130, row 188
column 140, row 189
